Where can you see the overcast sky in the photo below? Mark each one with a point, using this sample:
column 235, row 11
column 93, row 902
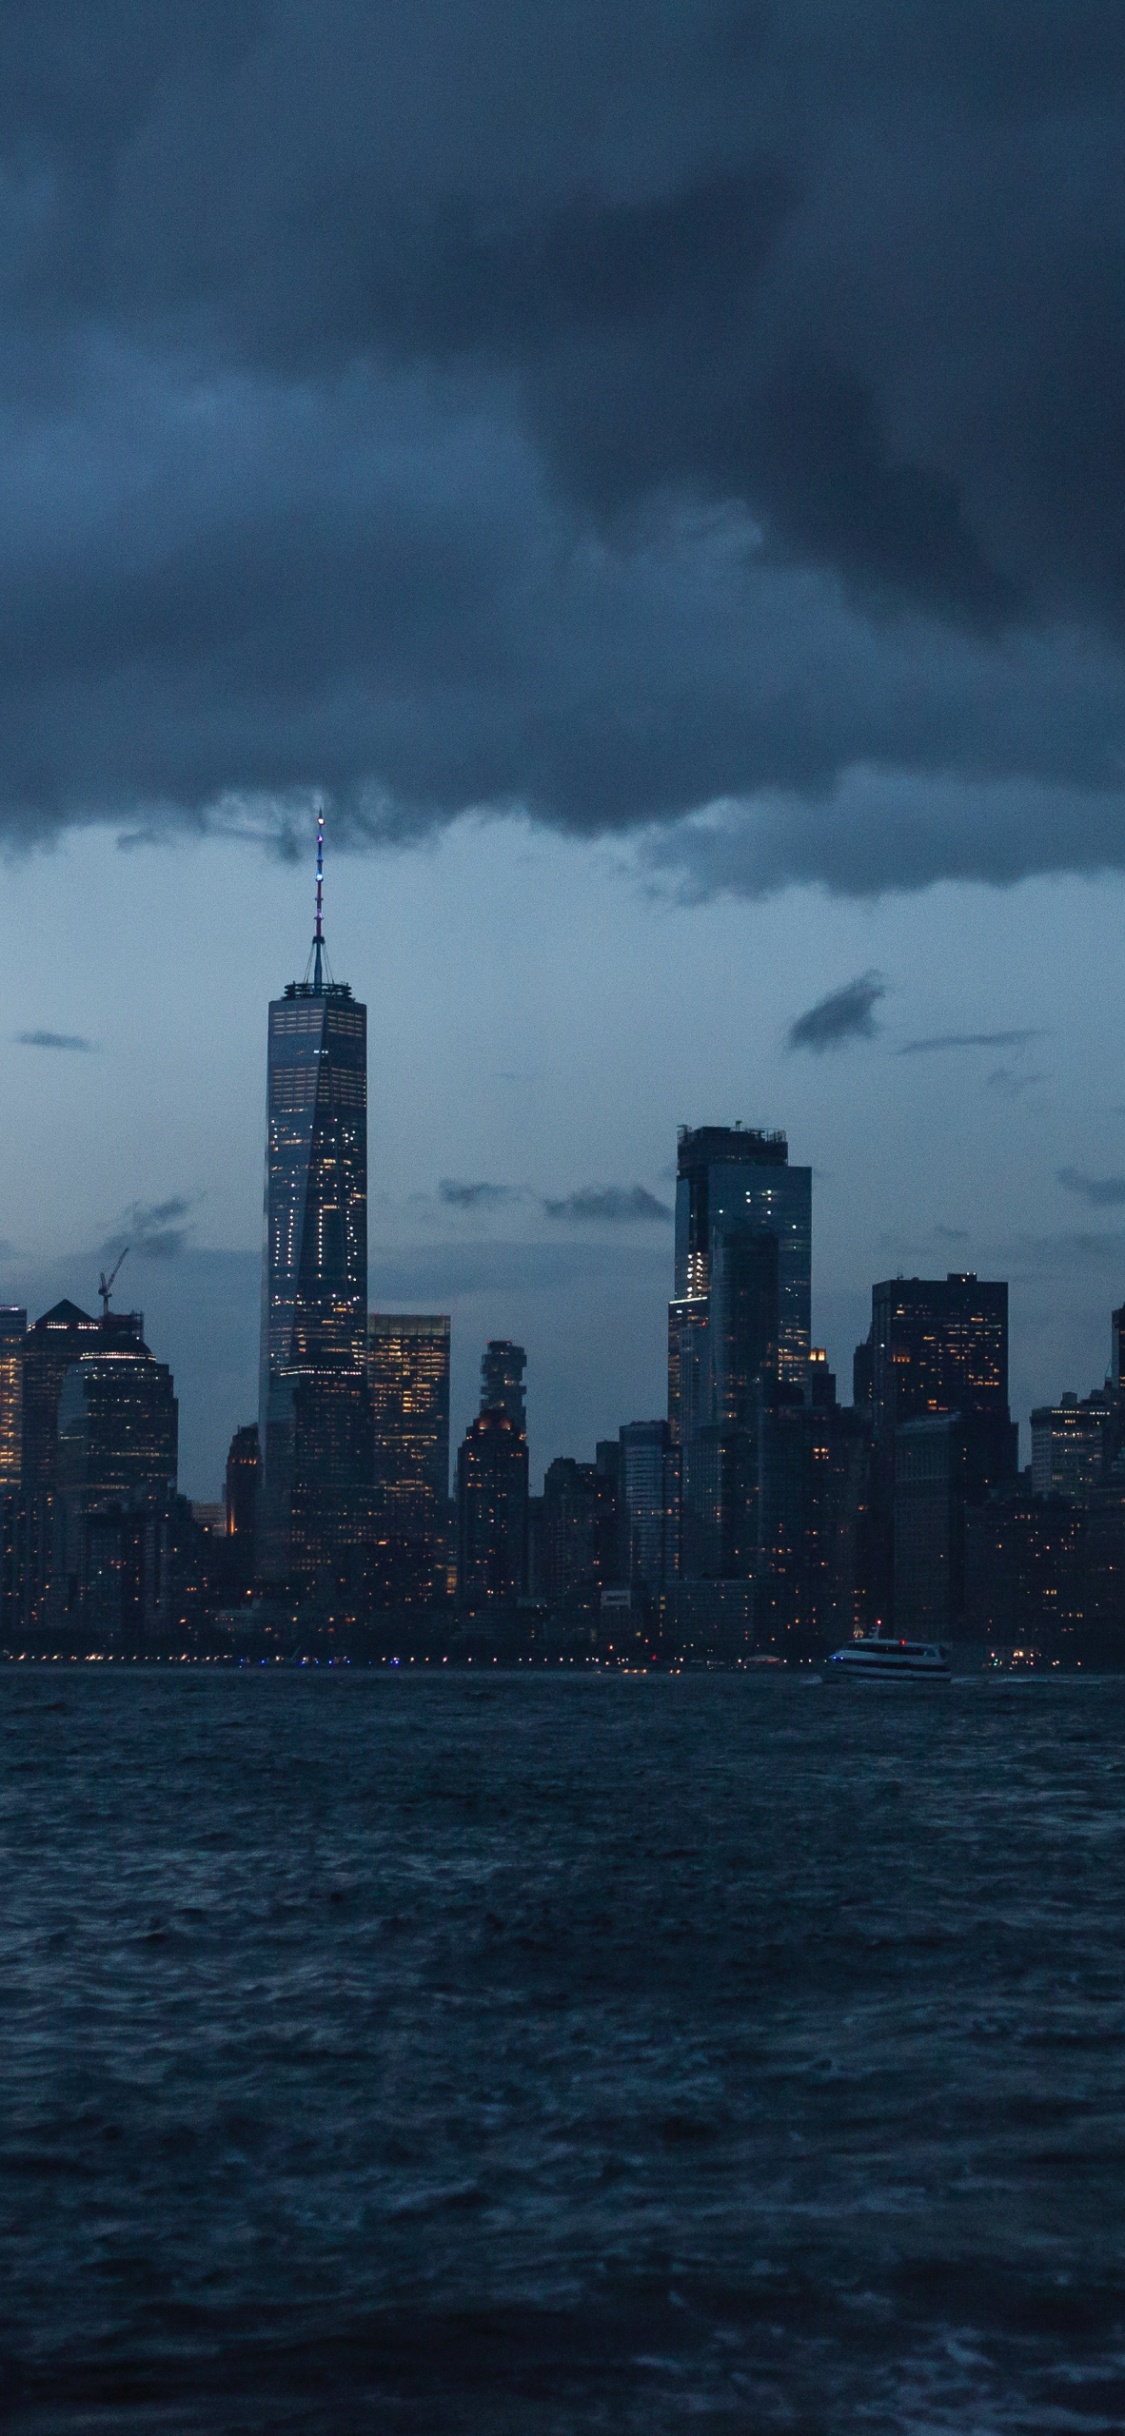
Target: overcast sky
column 658, row 469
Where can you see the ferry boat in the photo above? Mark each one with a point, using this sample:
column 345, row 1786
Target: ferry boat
column 882, row 1658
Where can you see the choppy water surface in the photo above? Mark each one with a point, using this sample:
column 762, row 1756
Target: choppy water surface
column 560, row 2055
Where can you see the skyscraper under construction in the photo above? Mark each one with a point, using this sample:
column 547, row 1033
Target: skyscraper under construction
column 314, row 1405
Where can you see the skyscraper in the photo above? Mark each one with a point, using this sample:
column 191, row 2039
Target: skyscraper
column 734, row 1184
column 738, row 1330
column 937, row 1347
column 314, row 1408
column 492, row 1498
column 13, row 1330
column 408, row 1374
column 51, row 1345
column 117, row 1449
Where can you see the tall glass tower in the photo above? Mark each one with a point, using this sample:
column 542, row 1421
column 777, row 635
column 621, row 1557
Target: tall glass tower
column 314, row 1414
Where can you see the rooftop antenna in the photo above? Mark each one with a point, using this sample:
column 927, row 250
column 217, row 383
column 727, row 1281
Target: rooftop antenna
column 105, row 1285
column 318, row 934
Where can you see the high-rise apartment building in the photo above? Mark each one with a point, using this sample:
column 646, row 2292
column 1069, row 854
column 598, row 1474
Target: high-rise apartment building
column 314, row 1408
column 408, row 1376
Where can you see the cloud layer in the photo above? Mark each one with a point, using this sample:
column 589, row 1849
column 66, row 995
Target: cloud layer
column 703, row 422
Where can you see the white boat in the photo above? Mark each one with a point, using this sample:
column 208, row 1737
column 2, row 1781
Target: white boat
column 883, row 1658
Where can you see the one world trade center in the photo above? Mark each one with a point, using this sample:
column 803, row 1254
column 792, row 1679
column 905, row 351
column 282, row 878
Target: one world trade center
column 314, row 1410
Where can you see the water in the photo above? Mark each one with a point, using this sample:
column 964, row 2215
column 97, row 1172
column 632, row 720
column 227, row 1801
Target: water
column 559, row 2055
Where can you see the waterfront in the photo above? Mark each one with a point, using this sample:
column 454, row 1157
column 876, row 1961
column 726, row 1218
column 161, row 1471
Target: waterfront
column 553, row 2055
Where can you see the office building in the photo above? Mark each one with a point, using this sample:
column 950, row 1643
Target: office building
column 1068, row 1445
column 937, row 1347
column 734, row 1183
column 501, row 1374
column 492, row 1487
column 116, row 1484
column 408, row 1378
column 240, row 1506
column 568, row 1552
column 650, row 1497
column 13, row 1330
column 51, row 1345
column 314, row 1406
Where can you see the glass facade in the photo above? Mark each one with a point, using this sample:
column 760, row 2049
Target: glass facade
column 733, row 1180
column 117, row 1457
column 408, row 1376
column 316, row 1484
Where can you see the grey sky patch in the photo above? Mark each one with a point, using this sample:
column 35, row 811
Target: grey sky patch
column 609, row 1205
column 1011, row 1083
column 952, row 1234
column 54, row 1040
column 1100, row 1192
column 846, row 1014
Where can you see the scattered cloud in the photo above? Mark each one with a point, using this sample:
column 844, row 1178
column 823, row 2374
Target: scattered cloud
column 54, row 1040
column 846, row 1014
column 458, row 1196
column 968, row 1040
column 609, row 1205
column 151, row 1230
column 1010, row 1083
column 1101, row 1192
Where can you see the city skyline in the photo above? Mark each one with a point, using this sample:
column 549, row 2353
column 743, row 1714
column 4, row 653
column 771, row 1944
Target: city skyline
column 501, row 1264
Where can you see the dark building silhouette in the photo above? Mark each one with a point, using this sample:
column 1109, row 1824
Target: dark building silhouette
column 735, row 1182
column 408, row 1377
column 738, row 1327
column 1026, row 1572
column 240, row 1502
column 51, row 1345
column 813, row 1487
column 116, row 1484
column 650, row 1497
column 937, row 1347
column 492, row 1487
column 502, row 1390
column 314, row 1406
column 13, row 1330
column 1069, row 1443
column 569, row 1553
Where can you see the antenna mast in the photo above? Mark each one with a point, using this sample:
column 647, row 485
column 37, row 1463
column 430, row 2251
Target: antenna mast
column 318, row 933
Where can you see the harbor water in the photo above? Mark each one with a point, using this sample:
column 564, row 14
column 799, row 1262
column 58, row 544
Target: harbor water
column 410, row 2051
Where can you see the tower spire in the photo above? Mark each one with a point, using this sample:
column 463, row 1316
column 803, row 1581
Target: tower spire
column 318, row 933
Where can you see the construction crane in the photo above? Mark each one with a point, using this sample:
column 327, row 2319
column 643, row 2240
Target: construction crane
column 105, row 1284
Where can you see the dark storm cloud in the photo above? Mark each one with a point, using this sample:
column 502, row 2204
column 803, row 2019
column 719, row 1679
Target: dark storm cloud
column 846, row 1014
column 1102, row 1192
column 53, row 1040
column 677, row 415
column 609, row 1205
column 151, row 1230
